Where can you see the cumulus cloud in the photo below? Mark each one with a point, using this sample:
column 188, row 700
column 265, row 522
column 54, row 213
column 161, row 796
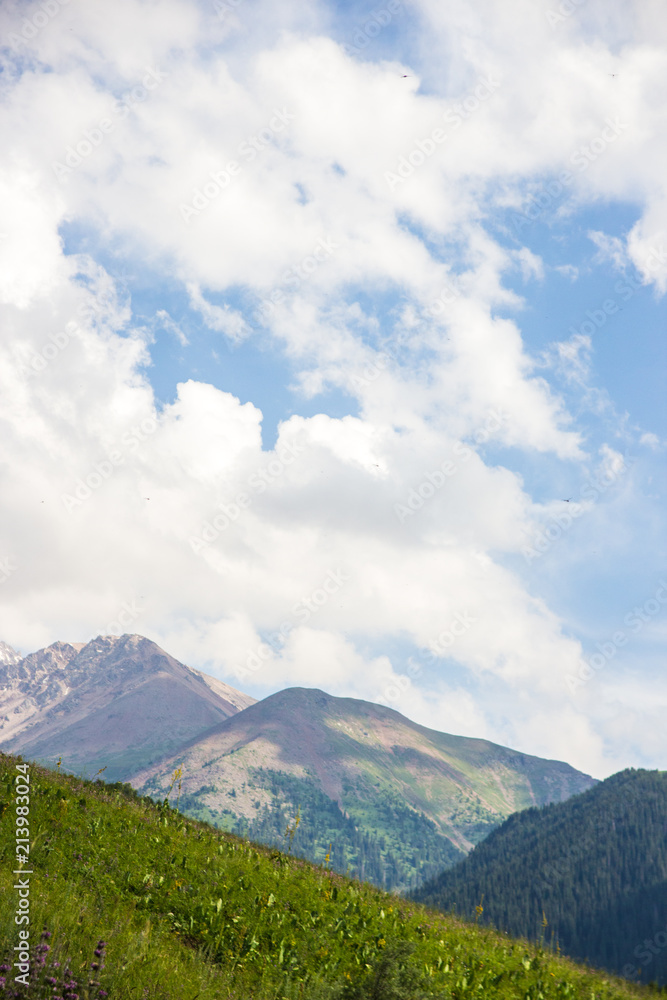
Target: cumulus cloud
column 341, row 212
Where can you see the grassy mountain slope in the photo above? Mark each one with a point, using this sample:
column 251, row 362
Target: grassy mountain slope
column 395, row 800
column 595, row 866
column 115, row 702
column 185, row 911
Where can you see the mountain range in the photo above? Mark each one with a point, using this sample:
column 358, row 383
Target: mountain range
column 589, row 875
column 385, row 798
column 137, row 900
column 113, row 703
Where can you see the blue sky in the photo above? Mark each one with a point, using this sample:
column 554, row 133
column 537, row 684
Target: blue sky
column 434, row 466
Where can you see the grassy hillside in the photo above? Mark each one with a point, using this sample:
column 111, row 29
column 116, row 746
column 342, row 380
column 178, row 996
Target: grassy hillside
column 388, row 800
column 138, row 901
column 595, row 867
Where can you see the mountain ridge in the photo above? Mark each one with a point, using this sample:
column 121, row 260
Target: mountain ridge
column 594, row 867
column 367, row 759
column 393, row 801
column 104, row 702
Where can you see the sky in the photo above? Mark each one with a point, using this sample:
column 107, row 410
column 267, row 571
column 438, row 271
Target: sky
column 332, row 352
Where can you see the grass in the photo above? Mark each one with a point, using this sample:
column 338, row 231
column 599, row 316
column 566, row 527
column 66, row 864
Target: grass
column 186, row 911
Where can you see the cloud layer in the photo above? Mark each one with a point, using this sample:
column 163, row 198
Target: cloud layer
column 359, row 214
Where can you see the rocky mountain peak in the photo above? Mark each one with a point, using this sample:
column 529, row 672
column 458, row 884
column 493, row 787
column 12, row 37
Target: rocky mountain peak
column 8, row 656
column 118, row 690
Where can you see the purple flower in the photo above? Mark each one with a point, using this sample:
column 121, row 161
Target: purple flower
column 46, row 934
column 4, row 967
column 95, row 965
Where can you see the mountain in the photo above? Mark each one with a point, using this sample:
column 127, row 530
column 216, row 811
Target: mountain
column 115, row 702
column 595, row 867
column 137, row 900
column 8, row 655
column 396, row 801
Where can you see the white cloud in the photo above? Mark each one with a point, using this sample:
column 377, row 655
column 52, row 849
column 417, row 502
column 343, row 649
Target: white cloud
column 610, row 248
column 226, row 320
column 164, row 320
column 301, row 138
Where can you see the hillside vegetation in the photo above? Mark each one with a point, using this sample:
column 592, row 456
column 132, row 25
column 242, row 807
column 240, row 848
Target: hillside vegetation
column 594, row 867
column 388, row 800
column 168, row 907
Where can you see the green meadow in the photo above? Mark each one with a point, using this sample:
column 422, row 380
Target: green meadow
column 131, row 899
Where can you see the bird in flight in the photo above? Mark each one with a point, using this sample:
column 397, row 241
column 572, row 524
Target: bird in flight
column 566, row 501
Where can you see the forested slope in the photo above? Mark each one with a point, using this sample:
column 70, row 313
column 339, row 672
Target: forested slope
column 589, row 873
